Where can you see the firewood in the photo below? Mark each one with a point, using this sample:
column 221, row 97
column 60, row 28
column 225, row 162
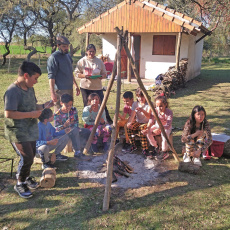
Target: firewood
column 48, row 178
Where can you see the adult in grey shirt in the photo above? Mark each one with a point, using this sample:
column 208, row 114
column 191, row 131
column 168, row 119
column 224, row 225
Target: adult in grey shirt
column 60, row 72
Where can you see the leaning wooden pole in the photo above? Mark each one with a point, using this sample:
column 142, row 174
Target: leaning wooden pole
column 102, row 107
column 113, row 139
column 148, row 98
column 178, row 50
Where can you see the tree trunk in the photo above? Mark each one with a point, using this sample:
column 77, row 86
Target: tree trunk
column 7, row 46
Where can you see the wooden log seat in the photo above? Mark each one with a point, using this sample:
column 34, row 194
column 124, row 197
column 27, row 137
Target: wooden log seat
column 48, row 178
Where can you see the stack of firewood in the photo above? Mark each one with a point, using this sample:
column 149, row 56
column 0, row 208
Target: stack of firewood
column 172, row 79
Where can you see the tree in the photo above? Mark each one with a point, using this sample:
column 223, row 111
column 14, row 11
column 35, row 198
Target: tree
column 7, row 28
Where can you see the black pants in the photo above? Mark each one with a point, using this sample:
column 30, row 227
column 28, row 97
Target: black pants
column 86, row 92
column 26, row 151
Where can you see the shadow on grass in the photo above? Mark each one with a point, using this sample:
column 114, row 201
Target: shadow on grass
column 83, row 201
column 205, row 81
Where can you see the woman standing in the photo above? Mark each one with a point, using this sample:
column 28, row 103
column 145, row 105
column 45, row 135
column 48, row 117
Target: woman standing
column 91, row 70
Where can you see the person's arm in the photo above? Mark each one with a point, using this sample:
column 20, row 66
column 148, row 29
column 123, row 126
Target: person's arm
column 103, row 71
column 52, row 68
column 52, row 90
column 208, row 140
column 86, row 115
column 186, row 135
column 131, row 119
column 76, row 86
column 22, row 115
column 122, row 116
column 74, row 118
column 151, row 121
column 169, row 119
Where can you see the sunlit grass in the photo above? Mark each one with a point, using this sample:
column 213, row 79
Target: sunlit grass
column 177, row 201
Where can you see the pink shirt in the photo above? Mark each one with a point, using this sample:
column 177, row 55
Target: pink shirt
column 166, row 118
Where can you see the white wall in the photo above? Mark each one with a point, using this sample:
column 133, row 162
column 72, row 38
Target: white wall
column 153, row 65
column 109, row 44
column 194, row 57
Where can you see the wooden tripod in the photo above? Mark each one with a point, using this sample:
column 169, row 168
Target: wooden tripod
column 121, row 41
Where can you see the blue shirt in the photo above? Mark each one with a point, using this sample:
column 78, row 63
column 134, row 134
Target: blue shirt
column 46, row 133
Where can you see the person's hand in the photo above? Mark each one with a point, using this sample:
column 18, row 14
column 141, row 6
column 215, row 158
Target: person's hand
column 157, row 131
column 145, row 131
column 48, row 104
column 198, row 133
column 67, row 130
column 52, row 142
column 129, row 125
column 139, row 109
column 78, row 91
column 54, row 97
column 93, row 106
column 35, row 114
column 87, row 76
column 67, row 123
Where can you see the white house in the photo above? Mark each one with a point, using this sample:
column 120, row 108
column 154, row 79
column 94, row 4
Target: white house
column 154, row 32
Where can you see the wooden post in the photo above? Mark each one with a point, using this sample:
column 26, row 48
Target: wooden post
column 129, row 70
column 113, row 139
column 103, row 104
column 178, row 50
column 87, row 40
column 148, row 99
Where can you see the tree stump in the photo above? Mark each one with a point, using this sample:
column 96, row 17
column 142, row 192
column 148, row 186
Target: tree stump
column 189, row 167
column 48, row 178
column 227, row 148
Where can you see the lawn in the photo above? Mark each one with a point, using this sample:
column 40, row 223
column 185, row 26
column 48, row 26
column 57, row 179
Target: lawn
column 19, row 50
column 174, row 201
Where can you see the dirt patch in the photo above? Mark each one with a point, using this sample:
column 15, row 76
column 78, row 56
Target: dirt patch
column 145, row 170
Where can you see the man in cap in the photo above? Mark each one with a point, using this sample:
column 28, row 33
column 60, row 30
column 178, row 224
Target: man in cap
column 60, row 71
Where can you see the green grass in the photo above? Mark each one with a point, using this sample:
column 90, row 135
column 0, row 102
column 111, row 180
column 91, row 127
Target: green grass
column 174, row 201
column 19, row 50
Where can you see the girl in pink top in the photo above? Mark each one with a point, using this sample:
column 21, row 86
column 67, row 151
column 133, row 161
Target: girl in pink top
column 165, row 115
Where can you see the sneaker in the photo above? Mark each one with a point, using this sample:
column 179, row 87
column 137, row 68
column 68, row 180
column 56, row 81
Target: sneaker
column 47, row 165
column 131, row 149
column 186, row 158
column 31, row 183
column 206, row 156
column 162, row 156
column 125, row 147
column 77, row 154
column 23, row 191
column 146, row 153
column 196, row 161
column 94, row 148
column 60, row 157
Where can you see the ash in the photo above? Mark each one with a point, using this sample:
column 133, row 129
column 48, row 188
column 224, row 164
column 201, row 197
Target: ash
column 95, row 170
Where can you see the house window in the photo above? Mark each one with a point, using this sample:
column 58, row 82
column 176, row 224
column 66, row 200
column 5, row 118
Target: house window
column 164, row 44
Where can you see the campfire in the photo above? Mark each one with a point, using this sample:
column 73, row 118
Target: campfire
column 129, row 170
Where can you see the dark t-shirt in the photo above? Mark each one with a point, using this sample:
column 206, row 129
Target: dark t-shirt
column 17, row 99
column 59, row 67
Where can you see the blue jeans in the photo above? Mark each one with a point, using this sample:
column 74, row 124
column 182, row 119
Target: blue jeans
column 44, row 150
column 79, row 137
